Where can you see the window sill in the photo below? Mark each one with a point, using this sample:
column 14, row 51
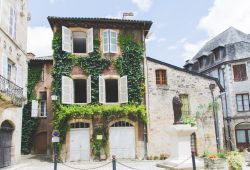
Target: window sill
column 43, row 117
column 112, row 103
column 80, row 54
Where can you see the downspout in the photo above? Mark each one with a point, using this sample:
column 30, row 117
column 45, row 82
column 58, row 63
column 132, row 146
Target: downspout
column 227, row 118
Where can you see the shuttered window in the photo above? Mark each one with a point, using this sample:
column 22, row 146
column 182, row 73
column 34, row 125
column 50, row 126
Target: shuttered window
column 43, row 104
column 161, row 78
column 12, row 22
column 240, row 72
column 185, row 104
column 242, row 102
column 109, row 41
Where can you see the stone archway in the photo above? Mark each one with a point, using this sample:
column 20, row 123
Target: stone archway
column 242, row 134
column 6, row 131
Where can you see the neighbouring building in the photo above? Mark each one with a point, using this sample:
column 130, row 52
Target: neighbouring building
column 42, row 136
column 227, row 57
column 13, row 77
column 163, row 82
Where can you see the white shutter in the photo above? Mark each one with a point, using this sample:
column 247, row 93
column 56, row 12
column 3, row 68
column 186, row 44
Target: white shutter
column 4, row 66
column 113, row 41
column 89, row 89
column 123, row 89
column 34, row 108
column 14, row 23
column 19, row 75
column 67, row 90
column 66, row 39
column 105, row 41
column 90, row 46
column 101, row 90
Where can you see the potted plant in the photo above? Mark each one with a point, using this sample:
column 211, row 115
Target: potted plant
column 215, row 161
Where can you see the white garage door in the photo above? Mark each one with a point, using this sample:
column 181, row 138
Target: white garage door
column 79, row 142
column 122, row 140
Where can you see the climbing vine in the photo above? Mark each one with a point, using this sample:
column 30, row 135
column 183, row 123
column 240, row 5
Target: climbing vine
column 29, row 124
column 93, row 64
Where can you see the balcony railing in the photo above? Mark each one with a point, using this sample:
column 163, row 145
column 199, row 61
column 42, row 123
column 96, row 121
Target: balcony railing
column 11, row 91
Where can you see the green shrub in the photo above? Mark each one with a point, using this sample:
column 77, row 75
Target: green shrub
column 235, row 160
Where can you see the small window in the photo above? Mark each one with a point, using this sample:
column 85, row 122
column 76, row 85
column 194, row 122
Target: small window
column 79, row 125
column 111, row 90
column 185, row 104
column 43, row 104
column 242, row 102
column 122, row 124
column 10, row 70
column 42, row 75
column 80, row 93
column 161, row 78
column 79, row 42
column 240, row 73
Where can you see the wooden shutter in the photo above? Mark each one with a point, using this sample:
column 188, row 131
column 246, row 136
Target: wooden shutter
column 67, row 90
column 89, row 89
column 4, row 66
column 90, row 45
column 113, row 41
column 19, row 75
column 66, row 39
column 105, row 41
column 123, row 89
column 34, row 108
column 240, row 73
column 102, row 94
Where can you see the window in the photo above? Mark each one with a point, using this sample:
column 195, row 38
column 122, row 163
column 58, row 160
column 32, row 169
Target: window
column 76, row 91
column 80, row 91
column 111, row 90
column 42, row 75
column 109, row 41
column 77, row 42
column 79, row 125
column 161, row 78
column 12, row 22
column 10, row 70
column 240, row 73
column 242, row 102
column 185, row 104
column 242, row 131
column 43, row 104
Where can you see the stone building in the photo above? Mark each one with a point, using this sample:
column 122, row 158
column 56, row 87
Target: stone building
column 79, row 87
column 227, row 57
column 163, row 82
column 13, row 77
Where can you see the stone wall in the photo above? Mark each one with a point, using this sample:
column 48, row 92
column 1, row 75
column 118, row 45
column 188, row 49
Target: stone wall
column 160, row 110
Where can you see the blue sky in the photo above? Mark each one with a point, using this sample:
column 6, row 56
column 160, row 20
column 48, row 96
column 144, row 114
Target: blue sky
column 180, row 27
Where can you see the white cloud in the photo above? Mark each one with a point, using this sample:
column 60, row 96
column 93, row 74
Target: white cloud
column 190, row 49
column 226, row 13
column 160, row 40
column 172, row 47
column 39, row 40
column 143, row 5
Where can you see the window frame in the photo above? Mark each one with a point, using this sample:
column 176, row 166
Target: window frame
column 72, row 41
column 161, row 81
column 233, row 72
column 44, row 100
column 242, row 102
column 75, row 91
column 108, row 39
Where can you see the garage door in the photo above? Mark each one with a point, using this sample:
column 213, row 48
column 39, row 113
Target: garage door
column 79, row 142
column 122, row 140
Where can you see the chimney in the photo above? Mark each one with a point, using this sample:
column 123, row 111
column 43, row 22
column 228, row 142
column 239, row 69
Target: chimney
column 30, row 55
column 128, row 15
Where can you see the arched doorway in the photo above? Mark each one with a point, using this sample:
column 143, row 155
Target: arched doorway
column 242, row 133
column 122, row 140
column 6, row 131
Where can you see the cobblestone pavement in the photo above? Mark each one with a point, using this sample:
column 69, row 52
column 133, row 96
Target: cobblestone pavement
column 33, row 163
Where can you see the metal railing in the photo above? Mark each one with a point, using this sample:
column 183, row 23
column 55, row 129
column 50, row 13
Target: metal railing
column 11, row 90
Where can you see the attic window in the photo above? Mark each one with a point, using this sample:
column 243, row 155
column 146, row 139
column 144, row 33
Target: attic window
column 79, row 42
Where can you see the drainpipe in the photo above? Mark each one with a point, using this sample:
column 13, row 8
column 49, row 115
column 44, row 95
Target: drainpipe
column 227, row 118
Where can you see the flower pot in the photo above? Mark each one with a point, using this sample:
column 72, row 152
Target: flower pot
column 215, row 164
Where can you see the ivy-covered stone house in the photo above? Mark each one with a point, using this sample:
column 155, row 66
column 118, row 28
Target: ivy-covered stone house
column 98, row 78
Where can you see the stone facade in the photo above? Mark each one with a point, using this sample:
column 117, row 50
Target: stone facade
column 13, row 67
column 233, row 48
column 160, row 109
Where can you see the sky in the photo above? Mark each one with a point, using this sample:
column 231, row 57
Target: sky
column 180, row 27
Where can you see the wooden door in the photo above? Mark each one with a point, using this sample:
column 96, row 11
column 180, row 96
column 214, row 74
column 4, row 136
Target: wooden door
column 41, row 143
column 5, row 146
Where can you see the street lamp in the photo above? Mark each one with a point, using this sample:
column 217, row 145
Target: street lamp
column 212, row 88
column 55, row 136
